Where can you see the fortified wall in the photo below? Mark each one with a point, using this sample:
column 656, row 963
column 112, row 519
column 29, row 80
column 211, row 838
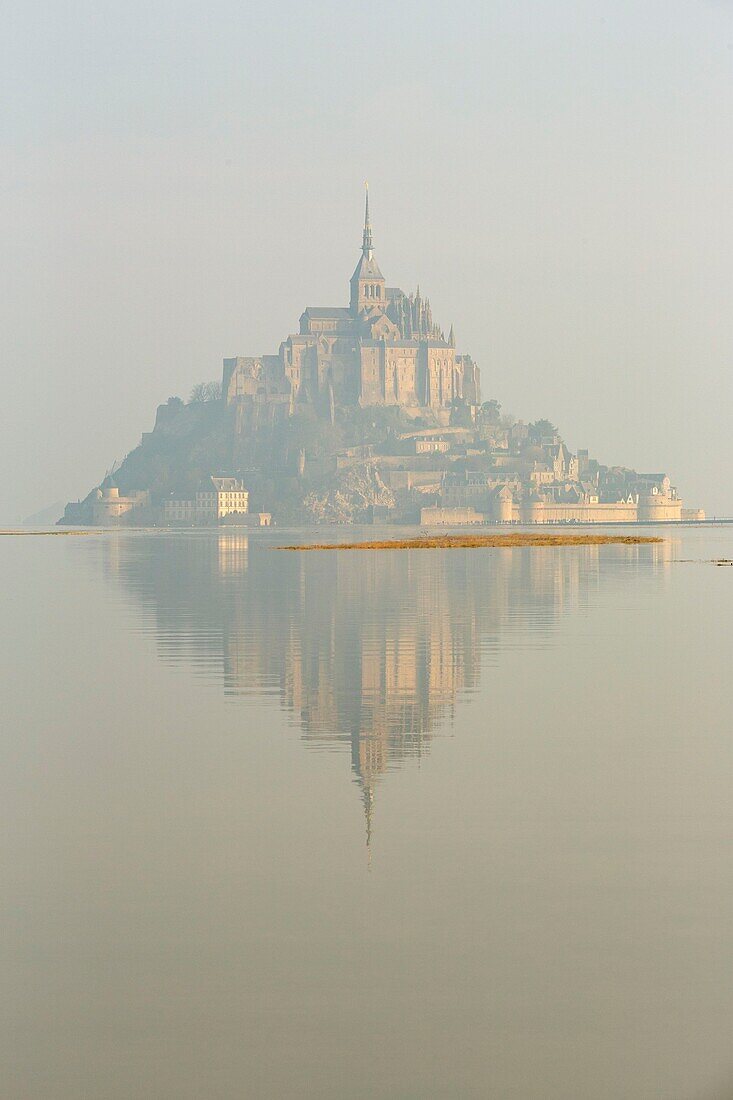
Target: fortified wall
column 654, row 508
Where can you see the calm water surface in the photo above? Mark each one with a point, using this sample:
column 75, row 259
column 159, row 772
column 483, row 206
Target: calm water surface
column 365, row 825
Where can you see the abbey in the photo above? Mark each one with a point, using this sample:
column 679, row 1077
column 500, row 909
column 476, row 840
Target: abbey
column 382, row 349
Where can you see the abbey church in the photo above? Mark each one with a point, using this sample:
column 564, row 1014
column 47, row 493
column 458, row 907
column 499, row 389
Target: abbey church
column 382, row 349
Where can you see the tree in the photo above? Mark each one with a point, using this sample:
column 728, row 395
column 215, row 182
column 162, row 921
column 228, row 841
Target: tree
column 205, row 391
column 492, row 411
column 541, row 428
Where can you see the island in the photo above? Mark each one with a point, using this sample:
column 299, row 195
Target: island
column 367, row 414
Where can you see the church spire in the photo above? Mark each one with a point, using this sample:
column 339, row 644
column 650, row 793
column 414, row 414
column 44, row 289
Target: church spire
column 367, row 282
column 367, row 245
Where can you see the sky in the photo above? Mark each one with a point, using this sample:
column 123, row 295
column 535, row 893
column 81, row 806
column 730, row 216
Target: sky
column 179, row 180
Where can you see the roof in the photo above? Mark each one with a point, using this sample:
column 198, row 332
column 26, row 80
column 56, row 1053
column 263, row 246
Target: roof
column 227, row 484
column 367, row 268
column 426, row 340
column 337, row 313
column 390, row 343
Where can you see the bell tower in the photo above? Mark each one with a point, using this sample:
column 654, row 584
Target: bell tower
column 367, row 282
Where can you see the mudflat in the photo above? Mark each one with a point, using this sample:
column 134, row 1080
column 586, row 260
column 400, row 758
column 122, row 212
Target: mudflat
column 458, row 542
column 11, row 532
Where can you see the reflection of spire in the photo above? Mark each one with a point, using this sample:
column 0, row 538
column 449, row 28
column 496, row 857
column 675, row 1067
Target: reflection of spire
column 368, row 797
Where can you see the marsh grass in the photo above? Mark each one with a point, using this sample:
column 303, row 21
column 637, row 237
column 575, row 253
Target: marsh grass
column 458, row 542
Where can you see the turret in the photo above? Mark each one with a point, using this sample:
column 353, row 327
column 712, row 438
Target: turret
column 504, row 505
column 533, row 509
column 656, row 507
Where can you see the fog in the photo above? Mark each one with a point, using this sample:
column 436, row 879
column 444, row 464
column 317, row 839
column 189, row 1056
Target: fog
column 178, row 181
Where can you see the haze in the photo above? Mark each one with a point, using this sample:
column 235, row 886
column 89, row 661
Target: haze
column 178, row 181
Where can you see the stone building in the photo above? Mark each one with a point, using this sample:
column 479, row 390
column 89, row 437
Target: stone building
column 217, row 499
column 384, row 348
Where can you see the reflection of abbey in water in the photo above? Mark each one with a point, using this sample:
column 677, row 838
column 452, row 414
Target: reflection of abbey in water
column 366, row 649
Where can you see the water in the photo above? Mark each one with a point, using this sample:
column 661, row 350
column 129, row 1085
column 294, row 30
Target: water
column 336, row 824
